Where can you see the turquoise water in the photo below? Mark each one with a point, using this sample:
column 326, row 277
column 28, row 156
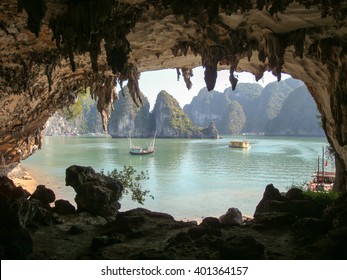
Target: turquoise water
column 189, row 178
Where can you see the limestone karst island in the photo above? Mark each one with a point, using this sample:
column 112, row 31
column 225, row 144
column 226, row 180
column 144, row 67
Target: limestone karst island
column 89, row 169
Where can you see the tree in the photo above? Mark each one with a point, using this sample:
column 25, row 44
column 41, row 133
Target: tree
column 130, row 180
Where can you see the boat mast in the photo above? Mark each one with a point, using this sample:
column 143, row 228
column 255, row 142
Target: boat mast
column 323, row 164
column 318, row 170
column 151, row 147
column 130, row 143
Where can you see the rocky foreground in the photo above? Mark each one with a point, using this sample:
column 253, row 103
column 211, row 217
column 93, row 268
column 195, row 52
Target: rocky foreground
column 285, row 226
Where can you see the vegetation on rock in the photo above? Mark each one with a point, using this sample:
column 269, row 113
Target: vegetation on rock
column 131, row 181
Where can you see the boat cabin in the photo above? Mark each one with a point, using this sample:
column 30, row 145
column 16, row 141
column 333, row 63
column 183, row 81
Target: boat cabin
column 322, row 181
column 239, row 144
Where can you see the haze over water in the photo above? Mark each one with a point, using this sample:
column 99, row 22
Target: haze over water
column 189, row 178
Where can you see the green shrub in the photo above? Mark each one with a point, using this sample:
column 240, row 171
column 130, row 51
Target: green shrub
column 131, row 181
column 324, row 197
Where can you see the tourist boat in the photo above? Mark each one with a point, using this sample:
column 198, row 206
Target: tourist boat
column 136, row 150
column 244, row 144
column 322, row 180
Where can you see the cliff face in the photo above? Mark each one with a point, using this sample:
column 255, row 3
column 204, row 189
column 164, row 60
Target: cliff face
column 298, row 116
column 127, row 119
column 100, row 43
column 80, row 118
column 169, row 120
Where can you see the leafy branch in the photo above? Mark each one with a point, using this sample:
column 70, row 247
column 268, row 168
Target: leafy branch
column 131, row 181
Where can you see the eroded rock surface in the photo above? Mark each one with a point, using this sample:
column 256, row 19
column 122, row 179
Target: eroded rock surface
column 98, row 45
column 96, row 193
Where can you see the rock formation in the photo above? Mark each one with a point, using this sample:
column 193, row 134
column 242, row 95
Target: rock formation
column 129, row 120
column 169, row 120
column 99, row 44
column 298, row 116
column 96, row 193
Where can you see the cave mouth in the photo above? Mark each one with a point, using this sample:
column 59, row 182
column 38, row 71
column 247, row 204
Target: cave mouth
column 192, row 168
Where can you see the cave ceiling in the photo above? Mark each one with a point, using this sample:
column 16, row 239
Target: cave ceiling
column 49, row 49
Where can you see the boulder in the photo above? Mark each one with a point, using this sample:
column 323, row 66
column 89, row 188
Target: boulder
column 232, row 217
column 43, row 194
column 8, row 188
column 64, row 207
column 96, row 193
column 271, row 193
column 293, row 203
column 6, row 185
column 294, row 194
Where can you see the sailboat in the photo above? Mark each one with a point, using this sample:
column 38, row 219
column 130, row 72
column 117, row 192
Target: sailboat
column 136, row 150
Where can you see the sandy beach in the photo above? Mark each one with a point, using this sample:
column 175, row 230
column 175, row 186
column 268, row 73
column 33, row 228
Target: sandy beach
column 21, row 177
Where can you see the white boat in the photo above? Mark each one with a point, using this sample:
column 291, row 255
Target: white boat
column 136, row 150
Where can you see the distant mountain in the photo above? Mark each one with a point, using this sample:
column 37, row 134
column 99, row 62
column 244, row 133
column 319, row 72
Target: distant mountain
column 298, row 116
column 247, row 95
column 169, row 120
column 206, row 107
column 267, row 106
column 281, row 108
column 127, row 119
column 249, row 108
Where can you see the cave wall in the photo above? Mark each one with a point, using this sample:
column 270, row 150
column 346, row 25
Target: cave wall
column 50, row 48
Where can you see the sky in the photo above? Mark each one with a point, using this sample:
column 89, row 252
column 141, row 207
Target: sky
column 152, row 82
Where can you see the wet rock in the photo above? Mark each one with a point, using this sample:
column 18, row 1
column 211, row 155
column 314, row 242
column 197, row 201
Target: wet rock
column 64, row 207
column 43, row 194
column 242, row 247
column 232, row 217
column 96, row 194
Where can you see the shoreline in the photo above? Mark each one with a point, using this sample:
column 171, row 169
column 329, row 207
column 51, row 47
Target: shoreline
column 22, row 177
column 28, row 180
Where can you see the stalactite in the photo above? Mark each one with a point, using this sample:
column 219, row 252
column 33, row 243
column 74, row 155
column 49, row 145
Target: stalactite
column 187, row 74
column 233, row 80
column 133, row 83
column 210, row 75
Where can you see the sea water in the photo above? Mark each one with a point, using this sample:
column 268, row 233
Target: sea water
column 188, row 178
